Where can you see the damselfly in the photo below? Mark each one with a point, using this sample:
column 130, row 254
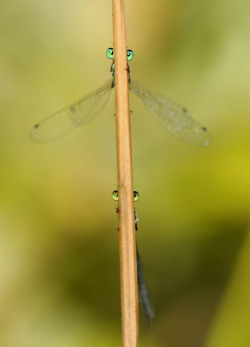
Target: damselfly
column 175, row 118
column 145, row 299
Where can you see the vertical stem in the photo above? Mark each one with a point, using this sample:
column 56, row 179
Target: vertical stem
column 128, row 269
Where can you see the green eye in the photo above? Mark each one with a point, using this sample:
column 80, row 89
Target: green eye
column 136, row 195
column 110, row 53
column 115, row 195
column 130, row 54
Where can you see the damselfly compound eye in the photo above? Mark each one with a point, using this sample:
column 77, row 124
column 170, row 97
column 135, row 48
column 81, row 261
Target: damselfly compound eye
column 136, row 195
column 115, row 195
column 110, row 53
column 130, row 54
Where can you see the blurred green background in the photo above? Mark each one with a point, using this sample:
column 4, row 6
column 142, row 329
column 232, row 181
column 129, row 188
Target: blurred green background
column 59, row 267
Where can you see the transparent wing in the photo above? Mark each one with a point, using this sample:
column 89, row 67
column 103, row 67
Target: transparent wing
column 147, row 306
column 67, row 119
column 171, row 116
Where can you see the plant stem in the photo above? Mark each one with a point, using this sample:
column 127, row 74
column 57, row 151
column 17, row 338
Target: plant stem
column 128, row 269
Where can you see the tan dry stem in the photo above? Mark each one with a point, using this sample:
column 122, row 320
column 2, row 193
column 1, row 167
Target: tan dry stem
column 128, row 269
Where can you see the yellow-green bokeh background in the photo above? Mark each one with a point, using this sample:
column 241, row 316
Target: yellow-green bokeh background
column 59, row 267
